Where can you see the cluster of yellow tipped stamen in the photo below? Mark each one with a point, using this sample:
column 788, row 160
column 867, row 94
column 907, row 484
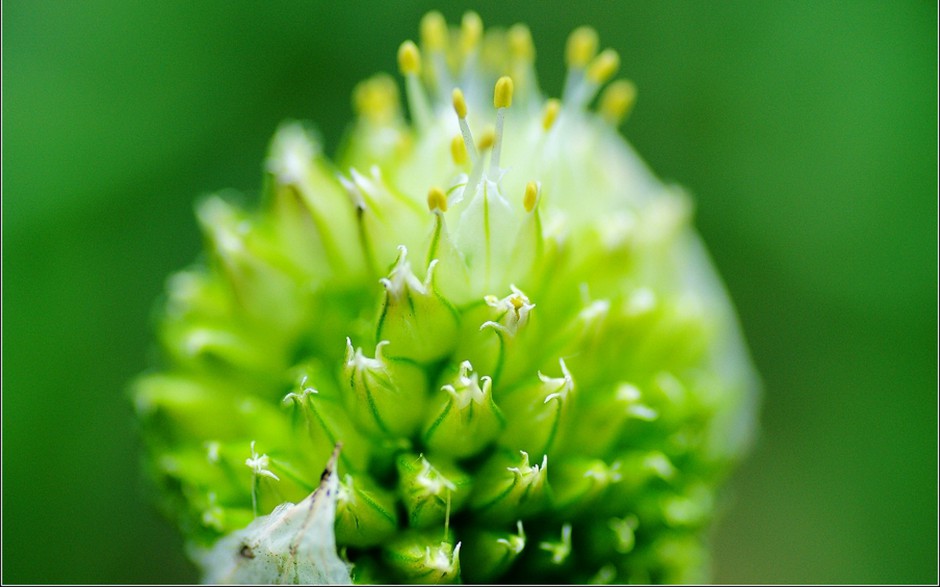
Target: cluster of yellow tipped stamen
column 449, row 65
column 449, row 59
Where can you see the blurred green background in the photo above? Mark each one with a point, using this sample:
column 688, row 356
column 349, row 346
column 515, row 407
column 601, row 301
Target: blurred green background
column 805, row 130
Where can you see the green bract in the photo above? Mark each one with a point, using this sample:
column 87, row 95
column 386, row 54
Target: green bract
column 513, row 332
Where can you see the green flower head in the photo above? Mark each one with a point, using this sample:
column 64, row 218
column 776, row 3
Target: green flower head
column 483, row 343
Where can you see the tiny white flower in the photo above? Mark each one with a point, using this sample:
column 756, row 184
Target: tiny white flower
column 259, row 464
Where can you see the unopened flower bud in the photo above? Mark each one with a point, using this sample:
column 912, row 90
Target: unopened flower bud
column 422, row 557
column 431, row 492
column 509, row 487
column 488, row 554
column 418, row 323
column 466, row 418
column 385, row 395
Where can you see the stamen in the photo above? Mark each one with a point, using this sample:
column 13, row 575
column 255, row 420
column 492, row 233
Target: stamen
column 502, row 99
column 584, row 84
column 460, row 103
column 586, row 73
column 476, row 170
column 437, row 200
column 520, row 42
column 471, row 31
column 409, row 58
column 598, row 72
column 458, row 150
column 460, row 107
column 529, row 245
column 530, row 198
column 487, row 139
column 552, row 107
column 582, row 45
column 502, row 93
column 617, row 100
column 376, row 98
column 359, row 203
column 434, row 31
column 521, row 63
column 409, row 62
column 434, row 40
column 603, row 67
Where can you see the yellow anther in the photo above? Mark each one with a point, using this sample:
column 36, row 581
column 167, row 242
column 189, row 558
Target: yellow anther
column 531, row 196
column 486, row 139
column 604, row 66
column 617, row 100
column 493, row 50
column 552, row 107
column 502, row 93
column 520, row 42
column 376, row 98
column 409, row 59
column 434, row 31
column 460, row 103
column 471, row 30
column 582, row 45
column 458, row 150
column 437, row 200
